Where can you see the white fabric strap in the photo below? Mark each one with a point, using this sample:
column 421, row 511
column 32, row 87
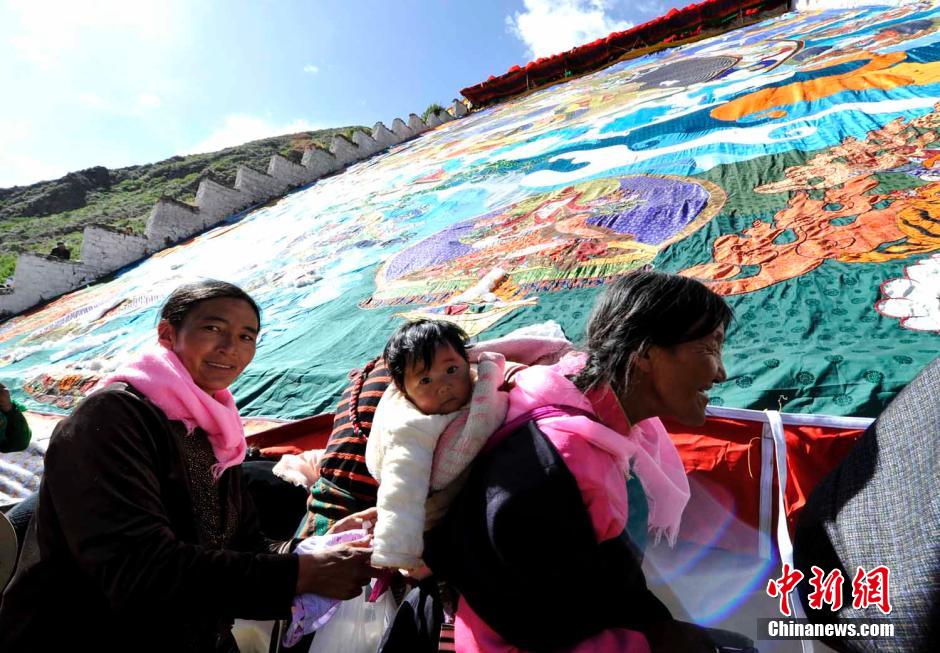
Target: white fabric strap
column 767, row 448
column 784, row 544
column 791, row 419
column 766, row 477
column 774, row 454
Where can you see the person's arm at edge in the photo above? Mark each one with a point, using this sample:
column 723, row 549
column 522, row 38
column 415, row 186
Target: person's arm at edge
column 17, row 434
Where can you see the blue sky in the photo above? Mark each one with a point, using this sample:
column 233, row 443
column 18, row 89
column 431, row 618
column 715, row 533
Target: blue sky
column 123, row 82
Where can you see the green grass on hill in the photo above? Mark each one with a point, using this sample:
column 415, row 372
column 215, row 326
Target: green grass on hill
column 33, row 218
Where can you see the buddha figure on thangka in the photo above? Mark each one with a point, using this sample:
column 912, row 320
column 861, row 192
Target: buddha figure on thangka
column 477, row 271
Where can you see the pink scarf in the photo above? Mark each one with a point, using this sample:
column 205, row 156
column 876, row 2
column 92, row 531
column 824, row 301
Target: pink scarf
column 644, row 448
column 163, row 379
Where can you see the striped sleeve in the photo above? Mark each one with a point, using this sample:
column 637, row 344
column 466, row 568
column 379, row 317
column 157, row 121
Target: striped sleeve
column 345, row 485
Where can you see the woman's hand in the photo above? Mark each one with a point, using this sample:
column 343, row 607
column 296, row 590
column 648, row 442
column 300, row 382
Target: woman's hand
column 340, row 571
column 337, row 572
column 364, row 520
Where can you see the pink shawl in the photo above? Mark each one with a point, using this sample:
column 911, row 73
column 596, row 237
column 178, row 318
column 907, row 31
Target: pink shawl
column 598, row 454
column 643, row 448
column 163, row 379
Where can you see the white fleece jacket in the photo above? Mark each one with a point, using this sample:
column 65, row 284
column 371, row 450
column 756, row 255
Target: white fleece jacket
column 401, row 455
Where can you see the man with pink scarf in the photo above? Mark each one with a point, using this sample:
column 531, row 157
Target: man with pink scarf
column 565, row 576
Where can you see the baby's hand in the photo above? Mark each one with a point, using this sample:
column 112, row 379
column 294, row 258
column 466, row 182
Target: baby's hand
column 364, row 520
column 418, row 573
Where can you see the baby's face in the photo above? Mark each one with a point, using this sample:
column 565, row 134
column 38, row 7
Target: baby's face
column 444, row 388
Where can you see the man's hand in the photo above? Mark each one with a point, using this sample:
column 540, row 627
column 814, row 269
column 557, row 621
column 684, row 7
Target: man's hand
column 337, row 572
column 6, row 404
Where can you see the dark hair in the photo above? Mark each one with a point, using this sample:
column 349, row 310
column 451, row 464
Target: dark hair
column 418, row 341
column 641, row 309
column 185, row 298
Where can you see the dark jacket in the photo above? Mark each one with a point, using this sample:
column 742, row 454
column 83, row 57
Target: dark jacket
column 519, row 546
column 133, row 547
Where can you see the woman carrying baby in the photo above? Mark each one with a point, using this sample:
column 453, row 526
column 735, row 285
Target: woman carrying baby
column 544, row 541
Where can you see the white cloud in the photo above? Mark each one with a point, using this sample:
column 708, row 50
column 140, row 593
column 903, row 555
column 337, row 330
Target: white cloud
column 240, row 128
column 94, row 101
column 137, row 106
column 23, row 170
column 311, row 69
column 551, row 26
column 17, row 165
column 148, row 101
column 45, row 31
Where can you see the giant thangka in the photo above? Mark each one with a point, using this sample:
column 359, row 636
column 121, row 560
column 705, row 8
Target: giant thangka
column 793, row 165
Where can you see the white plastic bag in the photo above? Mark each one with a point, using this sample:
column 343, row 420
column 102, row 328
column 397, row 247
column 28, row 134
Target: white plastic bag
column 357, row 627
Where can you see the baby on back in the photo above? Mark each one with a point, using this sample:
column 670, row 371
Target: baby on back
column 430, row 424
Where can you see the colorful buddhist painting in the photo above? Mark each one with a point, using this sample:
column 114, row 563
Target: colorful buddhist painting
column 577, row 236
column 793, row 165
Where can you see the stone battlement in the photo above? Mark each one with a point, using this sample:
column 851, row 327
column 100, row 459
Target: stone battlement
column 39, row 278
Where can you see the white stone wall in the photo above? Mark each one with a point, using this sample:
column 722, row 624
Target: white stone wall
column 289, row 172
column 384, row 137
column 257, row 186
column 416, row 125
column 215, row 201
column 170, row 222
column 319, row 163
column 460, row 109
column 433, row 120
column 41, row 278
column 14, row 302
column 106, row 250
column 401, row 130
column 366, row 144
column 344, row 151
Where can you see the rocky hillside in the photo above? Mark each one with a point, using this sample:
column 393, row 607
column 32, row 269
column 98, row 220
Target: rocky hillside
column 33, row 218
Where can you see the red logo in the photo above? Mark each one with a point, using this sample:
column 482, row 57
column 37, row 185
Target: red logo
column 781, row 587
column 826, row 590
column 871, row 588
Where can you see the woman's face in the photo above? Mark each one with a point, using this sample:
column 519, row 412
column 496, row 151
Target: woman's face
column 680, row 376
column 215, row 342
